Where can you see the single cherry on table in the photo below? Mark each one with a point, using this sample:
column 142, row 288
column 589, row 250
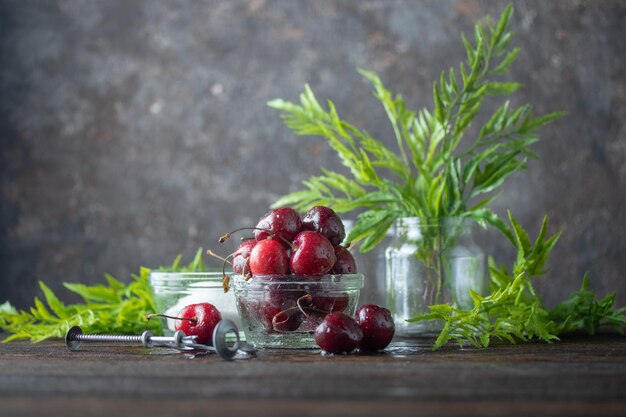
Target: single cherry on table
column 338, row 333
column 197, row 320
column 377, row 325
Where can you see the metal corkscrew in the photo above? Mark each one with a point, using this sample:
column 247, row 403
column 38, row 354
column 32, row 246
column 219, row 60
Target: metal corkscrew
column 225, row 350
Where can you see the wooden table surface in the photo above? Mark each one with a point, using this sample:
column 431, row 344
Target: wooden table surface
column 579, row 376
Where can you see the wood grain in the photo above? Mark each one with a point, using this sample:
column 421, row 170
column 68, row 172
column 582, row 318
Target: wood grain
column 579, row 376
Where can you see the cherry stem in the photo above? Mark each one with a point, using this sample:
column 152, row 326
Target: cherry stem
column 225, row 283
column 309, row 299
column 225, row 278
column 344, row 248
column 278, row 317
column 226, row 236
column 191, row 319
column 284, row 315
column 215, row 255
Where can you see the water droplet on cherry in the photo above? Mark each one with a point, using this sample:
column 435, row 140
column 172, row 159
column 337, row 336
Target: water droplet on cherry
column 345, row 263
column 324, row 220
column 269, row 257
column 201, row 319
column 241, row 257
column 280, row 223
column 313, row 254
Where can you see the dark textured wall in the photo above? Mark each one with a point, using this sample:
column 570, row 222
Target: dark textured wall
column 134, row 130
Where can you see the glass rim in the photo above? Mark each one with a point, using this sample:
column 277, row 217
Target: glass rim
column 340, row 279
column 187, row 275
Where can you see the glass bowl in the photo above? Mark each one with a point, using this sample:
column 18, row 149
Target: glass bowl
column 282, row 311
column 175, row 290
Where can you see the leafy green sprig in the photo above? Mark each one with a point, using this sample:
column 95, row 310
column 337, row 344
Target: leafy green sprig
column 514, row 312
column 112, row 308
column 431, row 177
column 582, row 310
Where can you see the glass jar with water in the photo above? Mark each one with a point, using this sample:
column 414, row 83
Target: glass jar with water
column 431, row 261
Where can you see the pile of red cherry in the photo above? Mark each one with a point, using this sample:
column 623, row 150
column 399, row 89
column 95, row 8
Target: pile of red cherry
column 284, row 243
column 288, row 247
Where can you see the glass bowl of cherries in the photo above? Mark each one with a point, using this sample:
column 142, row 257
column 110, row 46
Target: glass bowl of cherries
column 291, row 275
column 283, row 311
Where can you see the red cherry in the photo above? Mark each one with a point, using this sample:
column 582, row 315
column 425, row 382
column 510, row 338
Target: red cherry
column 200, row 321
column 345, row 261
column 338, row 333
column 241, row 257
column 324, row 220
column 313, row 254
column 273, row 309
column 329, row 302
column 269, row 257
column 284, row 222
column 377, row 325
column 264, row 313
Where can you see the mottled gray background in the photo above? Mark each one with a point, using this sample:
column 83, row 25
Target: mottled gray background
column 132, row 131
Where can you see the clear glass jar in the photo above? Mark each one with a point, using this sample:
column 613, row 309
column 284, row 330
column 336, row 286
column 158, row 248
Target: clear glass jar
column 431, row 262
column 175, row 290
